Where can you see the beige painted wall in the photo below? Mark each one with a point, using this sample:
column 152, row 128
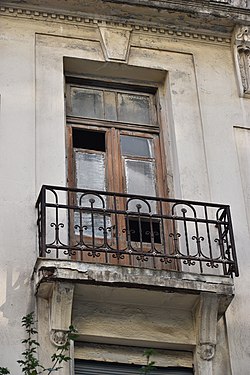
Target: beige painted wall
column 202, row 108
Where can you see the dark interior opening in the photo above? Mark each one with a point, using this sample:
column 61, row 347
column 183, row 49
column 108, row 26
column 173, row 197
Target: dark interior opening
column 89, row 140
column 135, row 227
column 83, row 367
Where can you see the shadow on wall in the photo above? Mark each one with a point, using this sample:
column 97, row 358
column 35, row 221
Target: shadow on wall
column 15, row 298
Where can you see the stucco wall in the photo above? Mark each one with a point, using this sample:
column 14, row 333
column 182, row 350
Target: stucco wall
column 207, row 157
column 17, row 163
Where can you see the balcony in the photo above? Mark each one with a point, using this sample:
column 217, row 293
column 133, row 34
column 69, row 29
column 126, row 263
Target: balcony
column 108, row 261
column 135, row 231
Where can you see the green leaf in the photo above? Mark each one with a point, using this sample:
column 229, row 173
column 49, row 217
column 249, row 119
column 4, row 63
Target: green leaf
column 29, row 364
column 4, row 371
column 149, row 352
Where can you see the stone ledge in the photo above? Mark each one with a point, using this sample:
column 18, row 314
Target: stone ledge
column 79, row 272
column 184, row 286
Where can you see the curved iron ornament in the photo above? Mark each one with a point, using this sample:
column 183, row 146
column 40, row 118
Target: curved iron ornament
column 136, row 230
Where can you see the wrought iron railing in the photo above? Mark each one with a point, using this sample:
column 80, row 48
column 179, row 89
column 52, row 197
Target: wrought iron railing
column 135, row 230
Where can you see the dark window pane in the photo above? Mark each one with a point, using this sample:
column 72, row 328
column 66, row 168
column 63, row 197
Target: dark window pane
column 136, row 146
column 143, row 227
column 88, row 140
column 83, row 367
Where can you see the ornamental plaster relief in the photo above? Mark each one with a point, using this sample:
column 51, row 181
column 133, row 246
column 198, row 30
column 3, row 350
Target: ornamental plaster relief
column 242, row 58
column 115, row 42
column 58, row 337
column 207, row 351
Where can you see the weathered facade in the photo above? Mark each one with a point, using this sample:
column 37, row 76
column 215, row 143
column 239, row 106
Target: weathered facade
column 121, row 122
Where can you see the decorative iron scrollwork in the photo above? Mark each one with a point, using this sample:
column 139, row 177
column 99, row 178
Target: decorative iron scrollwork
column 148, row 230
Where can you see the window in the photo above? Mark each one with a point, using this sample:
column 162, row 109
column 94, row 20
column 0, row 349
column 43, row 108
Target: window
column 100, row 368
column 113, row 133
column 114, row 145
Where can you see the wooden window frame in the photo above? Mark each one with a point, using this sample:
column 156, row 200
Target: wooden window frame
column 113, row 130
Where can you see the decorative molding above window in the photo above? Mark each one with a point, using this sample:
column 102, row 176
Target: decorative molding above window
column 115, row 41
column 242, row 58
column 103, row 22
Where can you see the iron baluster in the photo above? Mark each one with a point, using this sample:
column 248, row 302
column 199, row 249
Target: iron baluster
column 233, row 266
column 220, row 239
column 116, row 228
column 198, row 240
column 184, row 211
column 163, row 239
column 208, row 234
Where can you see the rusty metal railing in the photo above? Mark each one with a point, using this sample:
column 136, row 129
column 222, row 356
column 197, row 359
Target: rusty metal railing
column 135, row 230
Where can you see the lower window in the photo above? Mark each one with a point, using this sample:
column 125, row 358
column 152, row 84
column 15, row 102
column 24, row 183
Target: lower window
column 103, row 368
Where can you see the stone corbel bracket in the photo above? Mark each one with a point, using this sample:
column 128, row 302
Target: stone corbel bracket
column 60, row 312
column 206, row 325
column 241, row 47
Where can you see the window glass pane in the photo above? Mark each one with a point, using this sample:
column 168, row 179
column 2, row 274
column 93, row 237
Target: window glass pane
column 134, row 108
column 140, row 179
column 90, row 170
column 92, row 225
column 90, row 174
column 87, row 103
column 136, row 146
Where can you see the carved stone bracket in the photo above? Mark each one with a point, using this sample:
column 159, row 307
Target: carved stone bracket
column 60, row 312
column 206, row 325
column 242, row 57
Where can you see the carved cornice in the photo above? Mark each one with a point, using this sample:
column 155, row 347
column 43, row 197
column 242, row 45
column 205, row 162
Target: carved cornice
column 201, row 6
column 91, row 21
column 242, row 37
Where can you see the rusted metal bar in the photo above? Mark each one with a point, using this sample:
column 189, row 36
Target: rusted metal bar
column 190, row 236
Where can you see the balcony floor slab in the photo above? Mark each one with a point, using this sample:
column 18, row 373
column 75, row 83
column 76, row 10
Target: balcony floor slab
column 47, row 271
